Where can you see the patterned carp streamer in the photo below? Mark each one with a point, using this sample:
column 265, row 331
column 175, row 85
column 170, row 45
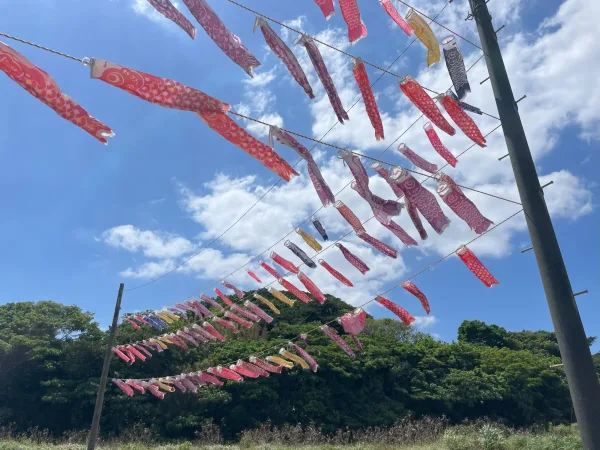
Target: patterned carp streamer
column 456, row 67
column 383, row 210
column 265, row 365
column 338, row 340
column 323, row 74
column 356, row 167
column 425, row 35
column 323, row 190
column 287, row 265
column 294, row 290
column 362, row 80
column 254, row 276
column 377, row 244
column 306, row 357
column 244, row 371
column 226, row 323
column 211, row 302
column 377, row 167
column 281, row 296
column 238, row 292
column 349, row 216
column 227, row 374
column 417, row 95
column 356, row 28
column 476, row 266
column 423, row 200
column 464, row 208
column 462, row 104
column 269, row 269
column 319, row 226
column 462, row 120
column 238, row 319
column 43, row 87
column 243, row 312
column 327, row 8
column 258, row 312
column 335, row 273
column 399, row 232
column 411, row 287
column 395, row 16
column 166, row 8
column 300, row 254
column 312, row 288
column 228, row 42
column 353, row 259
column 421, row 163
column 404, row 315
column 353, row 324
column 310, row 241
column 283, row 52
column 438, row 146
column 223, row 297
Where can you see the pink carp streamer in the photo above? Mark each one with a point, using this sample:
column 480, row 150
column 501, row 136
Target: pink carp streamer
column 238, row 292
column 395, row 16
column 353, row 259
column 253, row 367
column 228, row 42
column 231, row 316
column 312, row 288
column 356, row 28
column 223, row 297
column 476, row 266
column 283, row 52
column 353, row 324
column 411, row 287
column 464, row 208
column 327, row 8
column 265, row 365
column 258, row 311
column 404, row 315
column 399, row 232
column 166, row 8
column 287, row 265
column 294, row 290
column 335, row 273
column 245, row 313
column 323, row 74
column 438, row 146
column 417, row 95
column 383, row 210
column 462, row 120
column 349, row 216
column 244, row 371
column 338, row 340
column 377, row 244
column 423, row 200
column 270, row 269
column 124, row 387
column 418, row 161
column 212, row 331
column 43, row 87
column 226, row 324
column 362, row 80
column 306, row 356
column 227, row 374
column 323, row 190
column 254, row 276
column 377, row 167
column 356, row 167
column 212, row 302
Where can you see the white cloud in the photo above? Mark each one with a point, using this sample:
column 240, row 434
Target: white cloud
column 145, row 9
column 149, row 269
column 424, row 321
column 152, row 244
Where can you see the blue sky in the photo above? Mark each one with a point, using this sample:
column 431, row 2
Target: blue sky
column 79, row 217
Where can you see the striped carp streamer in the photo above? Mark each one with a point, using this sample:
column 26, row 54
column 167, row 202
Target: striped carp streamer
column 211, row 302
column 356, row 28
column 404, row 315
column 231, row 316
column 300, row 254
column 462, row 119
column 228, row 42
column 294, row 290
column 267, row 303
column 425, row 35
column 418, row 161
column 238, row 292
column 476, row 266
column 254, row 277
column 417, row 95
column 317, row 224
column 395, row 16
column 353, row 324
column 281, row 296
column 312, row 288
column 166, row 8
column 464, row 105
column 258, row 312
column 295, row 358
column 280, row 361
column 411, row 287
column 314, row 173
column 265, row 365
column 335, row 273
column 223, row 297
column 338, row 340
column 464, row 208
column 43, row 87
column 350, row 217
column 423, row 200
column 456, row 67
column 283, row 52
column 438, row 146
column 245, row 313
column 323, row 74
column 362, row 80
column 225, row 373
column 377, row 244
column 305, row 356
column 269, row 269
column 310, row 241
column 326, row 7
column 353, row 259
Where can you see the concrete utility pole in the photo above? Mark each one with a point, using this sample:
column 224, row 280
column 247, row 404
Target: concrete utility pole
column 93, row 436
column 574, row 349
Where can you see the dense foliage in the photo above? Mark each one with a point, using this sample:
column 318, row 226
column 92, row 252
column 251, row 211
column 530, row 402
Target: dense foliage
column 51, row 358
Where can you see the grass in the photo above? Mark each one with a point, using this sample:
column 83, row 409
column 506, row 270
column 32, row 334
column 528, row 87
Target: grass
column 477, row 436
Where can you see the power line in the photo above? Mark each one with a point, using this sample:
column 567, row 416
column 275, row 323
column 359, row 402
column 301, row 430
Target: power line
column 56, row 52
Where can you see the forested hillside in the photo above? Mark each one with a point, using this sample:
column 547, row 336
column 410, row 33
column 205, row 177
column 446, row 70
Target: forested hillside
column 51, row 358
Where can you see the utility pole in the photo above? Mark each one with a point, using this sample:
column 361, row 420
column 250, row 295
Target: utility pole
column 93, row 436
column 574, row 349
